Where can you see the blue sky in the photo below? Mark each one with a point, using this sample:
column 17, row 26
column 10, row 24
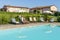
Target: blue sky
column 30, row 3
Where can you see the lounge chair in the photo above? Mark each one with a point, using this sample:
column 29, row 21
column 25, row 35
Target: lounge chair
column 52, row 20
column 30, row 19
column 34, row 19
column 13, row 20
column 42, row 19
column 23, row 20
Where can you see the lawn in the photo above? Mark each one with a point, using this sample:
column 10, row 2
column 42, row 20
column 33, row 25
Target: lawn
column 5, row 17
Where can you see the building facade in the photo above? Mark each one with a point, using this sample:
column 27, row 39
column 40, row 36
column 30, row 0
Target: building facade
column 9, row 8
column 45, row 9
column 41, row 9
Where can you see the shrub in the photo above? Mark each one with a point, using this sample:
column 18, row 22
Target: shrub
column 5, row 17
column 57, row 14
column 55, row 18
column 58, row 19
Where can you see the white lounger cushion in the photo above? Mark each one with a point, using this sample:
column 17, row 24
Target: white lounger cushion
column 52, row 20
column 22, row 19
column 14, row 20
column 34, row 18
column 41, row 19
column 17, row 22
column 30, row 18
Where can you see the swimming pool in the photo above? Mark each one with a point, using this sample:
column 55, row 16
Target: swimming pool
column 40, row 32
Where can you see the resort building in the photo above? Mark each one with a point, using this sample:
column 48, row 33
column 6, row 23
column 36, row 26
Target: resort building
column 45, row 9
column 9, row 8
column 41, row 9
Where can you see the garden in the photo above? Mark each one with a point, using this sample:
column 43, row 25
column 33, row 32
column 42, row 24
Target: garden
column 5, row 17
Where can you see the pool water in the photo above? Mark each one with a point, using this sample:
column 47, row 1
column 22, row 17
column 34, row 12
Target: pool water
column 40, row 32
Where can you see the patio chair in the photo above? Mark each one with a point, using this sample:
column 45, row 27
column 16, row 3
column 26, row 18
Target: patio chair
column 23, row 20
column 42, row 19
column 34, row 19
column 13, row 20
column 30, row 19
column 52, row 20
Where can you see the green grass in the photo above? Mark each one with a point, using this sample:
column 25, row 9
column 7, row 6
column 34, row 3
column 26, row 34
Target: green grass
column 5, row 17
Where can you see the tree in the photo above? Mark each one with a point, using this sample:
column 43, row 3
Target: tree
column 1, row 9
column 45, row 16
column 36, row 11
column 57, row 14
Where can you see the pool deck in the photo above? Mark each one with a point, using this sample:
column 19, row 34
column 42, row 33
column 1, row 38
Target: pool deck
column 8, row 26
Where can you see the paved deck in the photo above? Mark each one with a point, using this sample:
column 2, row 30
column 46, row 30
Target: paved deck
column 8, row 26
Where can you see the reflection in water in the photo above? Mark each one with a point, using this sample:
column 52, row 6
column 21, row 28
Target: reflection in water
column 48, row 31
column 22, row 36
column 52, row 26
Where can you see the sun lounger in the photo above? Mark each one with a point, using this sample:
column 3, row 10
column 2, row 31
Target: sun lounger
column 30, row 19
column 34, row 19
column 52, row 20
column 41, row 19
column 23, row 20
column 13, row 20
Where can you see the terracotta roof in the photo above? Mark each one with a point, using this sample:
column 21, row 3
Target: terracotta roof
column 15, row 6
column 40, row 7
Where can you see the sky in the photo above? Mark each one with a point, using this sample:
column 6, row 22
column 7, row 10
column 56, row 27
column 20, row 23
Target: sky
column 30, row 3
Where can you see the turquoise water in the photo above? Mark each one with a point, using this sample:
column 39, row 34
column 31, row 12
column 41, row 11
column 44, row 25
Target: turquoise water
column 42, row 32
